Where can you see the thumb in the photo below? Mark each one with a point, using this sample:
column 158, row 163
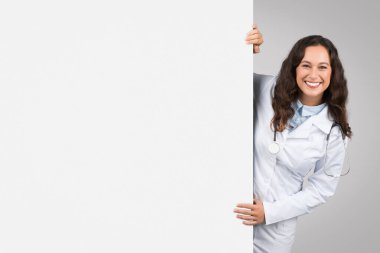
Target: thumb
column 256, row 49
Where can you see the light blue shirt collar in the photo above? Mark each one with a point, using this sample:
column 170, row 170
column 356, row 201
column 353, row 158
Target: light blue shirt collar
column 307, row 111
column 303, row 112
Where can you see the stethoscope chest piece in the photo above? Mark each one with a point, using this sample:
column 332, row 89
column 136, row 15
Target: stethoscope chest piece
column 274, row 148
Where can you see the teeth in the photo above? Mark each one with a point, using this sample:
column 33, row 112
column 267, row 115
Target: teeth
column 312, row 84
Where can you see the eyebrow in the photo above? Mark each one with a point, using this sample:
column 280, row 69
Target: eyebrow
column 318, row 63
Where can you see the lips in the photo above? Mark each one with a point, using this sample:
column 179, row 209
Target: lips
column 312, row 85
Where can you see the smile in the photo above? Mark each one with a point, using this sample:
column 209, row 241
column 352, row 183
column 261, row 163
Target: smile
column 312, row 85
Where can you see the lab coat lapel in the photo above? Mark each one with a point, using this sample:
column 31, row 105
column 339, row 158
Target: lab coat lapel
column 303, row 130
column 321, row 121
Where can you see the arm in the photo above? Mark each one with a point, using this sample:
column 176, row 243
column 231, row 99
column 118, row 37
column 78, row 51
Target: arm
column 320, row 186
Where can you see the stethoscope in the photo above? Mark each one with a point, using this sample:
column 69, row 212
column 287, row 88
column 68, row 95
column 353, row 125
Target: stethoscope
column 274, row 148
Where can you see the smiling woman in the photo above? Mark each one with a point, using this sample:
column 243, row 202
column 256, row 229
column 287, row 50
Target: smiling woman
column 312, row 73
column 295, row 131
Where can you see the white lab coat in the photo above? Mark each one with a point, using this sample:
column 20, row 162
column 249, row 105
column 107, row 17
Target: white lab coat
column 278, row 179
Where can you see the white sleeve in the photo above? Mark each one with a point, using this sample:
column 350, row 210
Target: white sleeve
column 262, row 82
column 321, row 184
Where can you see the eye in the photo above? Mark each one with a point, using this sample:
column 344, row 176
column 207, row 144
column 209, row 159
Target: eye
column 323, row 67
column 305, row 66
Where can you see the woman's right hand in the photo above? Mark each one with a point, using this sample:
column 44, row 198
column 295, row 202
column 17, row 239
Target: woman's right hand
column 255, row 38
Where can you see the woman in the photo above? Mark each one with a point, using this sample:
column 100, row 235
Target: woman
column 300, row 127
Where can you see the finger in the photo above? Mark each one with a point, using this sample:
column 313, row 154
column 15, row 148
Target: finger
column 253, row 32
column 255, row 41
column 256, row 49
column 249, row 223
column 243, row 211
column 254, row 37
column 246, row 217
column 245, row 205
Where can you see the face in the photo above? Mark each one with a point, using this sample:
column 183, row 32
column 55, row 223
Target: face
column 313, row 75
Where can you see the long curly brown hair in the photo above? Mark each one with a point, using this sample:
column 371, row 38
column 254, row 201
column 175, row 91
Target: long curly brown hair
column 286, row 90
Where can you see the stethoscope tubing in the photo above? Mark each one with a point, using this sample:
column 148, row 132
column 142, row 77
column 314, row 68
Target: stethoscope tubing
column 274, row 148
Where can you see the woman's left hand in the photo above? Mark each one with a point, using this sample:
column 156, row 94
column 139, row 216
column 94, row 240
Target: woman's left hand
column 252, row 214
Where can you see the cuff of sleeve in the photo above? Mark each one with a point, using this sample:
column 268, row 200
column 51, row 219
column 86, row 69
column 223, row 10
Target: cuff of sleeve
column 269, row 212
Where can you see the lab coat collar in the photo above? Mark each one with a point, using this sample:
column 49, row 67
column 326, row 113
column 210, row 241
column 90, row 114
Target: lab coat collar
column 321, row 120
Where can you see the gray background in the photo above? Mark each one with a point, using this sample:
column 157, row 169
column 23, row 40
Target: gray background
column 126, row 127
column 348, row 222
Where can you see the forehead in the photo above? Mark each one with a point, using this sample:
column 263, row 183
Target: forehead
column 316, row 54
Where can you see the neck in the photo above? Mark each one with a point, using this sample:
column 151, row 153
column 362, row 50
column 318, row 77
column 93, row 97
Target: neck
column 311, row 101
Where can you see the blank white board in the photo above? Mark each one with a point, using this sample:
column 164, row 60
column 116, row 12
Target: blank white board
column 124, row 126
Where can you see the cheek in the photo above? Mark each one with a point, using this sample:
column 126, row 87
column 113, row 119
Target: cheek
column 298, row 74
column 299, row 77
column 327, row 77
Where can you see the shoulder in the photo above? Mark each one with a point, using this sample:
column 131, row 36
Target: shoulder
column 263, row 82
column 330, row 129
column 337, row 135
column 261, row 78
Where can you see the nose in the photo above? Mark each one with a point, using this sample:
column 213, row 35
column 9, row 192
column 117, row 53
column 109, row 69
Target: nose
column 313, row 73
